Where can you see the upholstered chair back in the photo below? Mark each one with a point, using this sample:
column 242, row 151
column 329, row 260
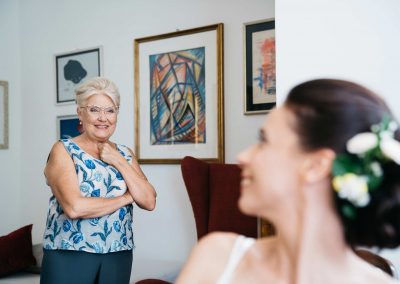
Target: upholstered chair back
column 214, row 191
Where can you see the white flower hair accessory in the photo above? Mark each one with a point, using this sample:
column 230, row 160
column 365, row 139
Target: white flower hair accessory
column 358, row 173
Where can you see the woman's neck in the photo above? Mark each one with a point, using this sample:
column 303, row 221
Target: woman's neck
column 88, row 140
column 89, row 144
column 312, row 238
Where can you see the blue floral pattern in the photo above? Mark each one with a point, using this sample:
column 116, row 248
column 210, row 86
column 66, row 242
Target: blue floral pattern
column 105, row 234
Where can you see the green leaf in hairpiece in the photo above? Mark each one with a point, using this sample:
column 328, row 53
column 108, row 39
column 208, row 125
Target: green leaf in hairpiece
column 349, row 211
column 346, row 164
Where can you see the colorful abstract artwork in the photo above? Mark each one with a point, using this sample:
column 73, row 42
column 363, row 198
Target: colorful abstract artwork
column 179, row 91
column 177, row 97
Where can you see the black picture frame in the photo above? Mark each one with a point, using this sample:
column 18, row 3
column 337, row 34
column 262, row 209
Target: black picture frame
column 74, row 68
column 261, row 97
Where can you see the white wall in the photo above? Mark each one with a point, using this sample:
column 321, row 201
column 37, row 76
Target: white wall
column 349, row 39
column 50, row 27
column 10, row 159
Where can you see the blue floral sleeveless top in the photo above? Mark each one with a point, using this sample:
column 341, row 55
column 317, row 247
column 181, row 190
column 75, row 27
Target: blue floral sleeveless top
column 105, row 234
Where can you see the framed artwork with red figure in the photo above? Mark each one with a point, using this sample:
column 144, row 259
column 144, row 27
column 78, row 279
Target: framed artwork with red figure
column 260, row 71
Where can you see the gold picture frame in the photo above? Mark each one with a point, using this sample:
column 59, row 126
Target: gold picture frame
column 179, row 96
column 4, row 115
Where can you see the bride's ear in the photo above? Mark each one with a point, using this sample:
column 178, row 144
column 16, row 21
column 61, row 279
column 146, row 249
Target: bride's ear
column 318, row 165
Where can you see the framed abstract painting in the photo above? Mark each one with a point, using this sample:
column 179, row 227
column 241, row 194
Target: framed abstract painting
column 179, row 96
column 3, row 115
column 259, row 58
column 74, row 68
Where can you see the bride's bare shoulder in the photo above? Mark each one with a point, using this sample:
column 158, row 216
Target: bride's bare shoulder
column 218, row 244
column 378, row 276
column 210, row 254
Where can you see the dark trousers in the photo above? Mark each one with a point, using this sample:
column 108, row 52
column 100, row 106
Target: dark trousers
column 78, row 267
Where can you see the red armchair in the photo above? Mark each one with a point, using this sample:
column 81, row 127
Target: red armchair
column 214, row 191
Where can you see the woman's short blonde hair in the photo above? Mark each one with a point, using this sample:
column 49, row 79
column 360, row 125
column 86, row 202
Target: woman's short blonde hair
column 95, row 86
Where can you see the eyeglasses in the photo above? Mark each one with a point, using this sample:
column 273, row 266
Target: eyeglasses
column 96, row 111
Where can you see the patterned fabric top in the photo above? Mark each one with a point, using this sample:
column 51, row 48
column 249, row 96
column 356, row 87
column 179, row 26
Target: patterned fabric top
column 109, row 233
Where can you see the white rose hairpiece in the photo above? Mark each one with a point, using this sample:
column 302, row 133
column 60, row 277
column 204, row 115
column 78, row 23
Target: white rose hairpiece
column 357, row 173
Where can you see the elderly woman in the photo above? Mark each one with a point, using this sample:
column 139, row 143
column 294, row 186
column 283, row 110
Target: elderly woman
column 326, row 173
column 88, row 236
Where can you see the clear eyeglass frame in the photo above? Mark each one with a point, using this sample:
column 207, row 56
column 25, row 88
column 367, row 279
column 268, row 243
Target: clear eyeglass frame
column 96, row 111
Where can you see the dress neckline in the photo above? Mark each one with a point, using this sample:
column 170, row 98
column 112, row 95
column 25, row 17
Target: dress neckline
column 80, row 148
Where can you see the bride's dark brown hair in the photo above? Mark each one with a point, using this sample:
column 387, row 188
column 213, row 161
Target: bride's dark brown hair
column 328, row 113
